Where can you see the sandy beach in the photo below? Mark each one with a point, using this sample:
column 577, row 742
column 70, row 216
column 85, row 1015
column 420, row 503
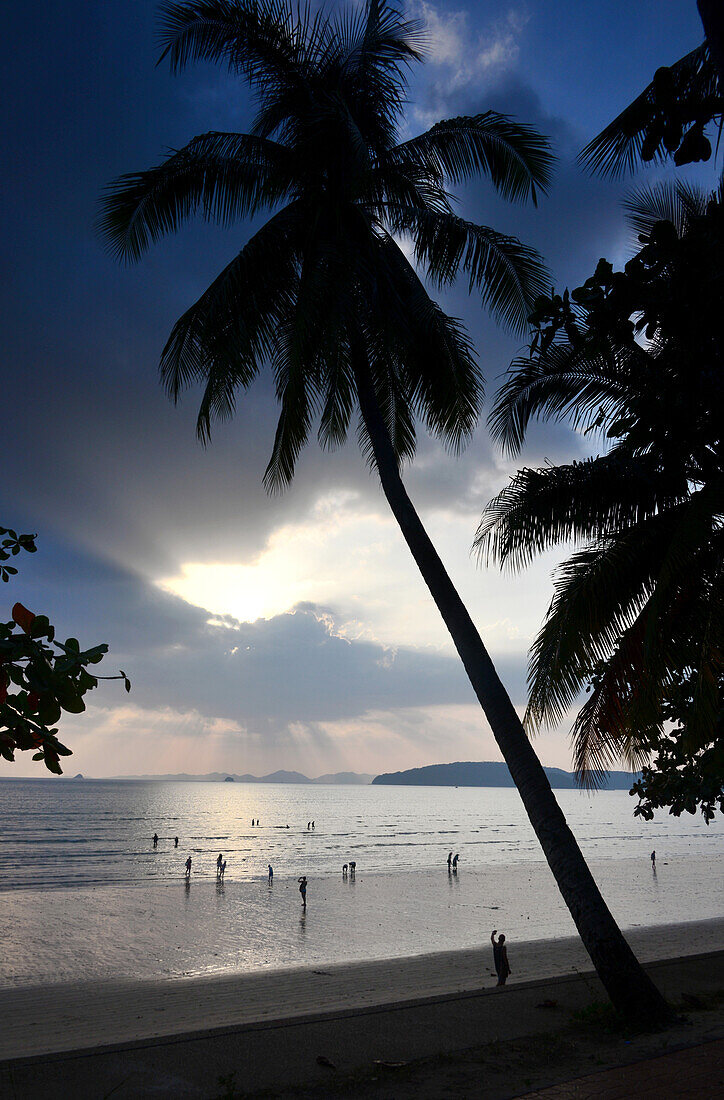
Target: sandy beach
column 93, row 1014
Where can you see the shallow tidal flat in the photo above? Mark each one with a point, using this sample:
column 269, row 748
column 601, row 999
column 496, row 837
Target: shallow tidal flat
column 148, row 932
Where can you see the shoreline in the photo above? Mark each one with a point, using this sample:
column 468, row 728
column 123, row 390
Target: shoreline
column 241, row 879
column 88, row 1015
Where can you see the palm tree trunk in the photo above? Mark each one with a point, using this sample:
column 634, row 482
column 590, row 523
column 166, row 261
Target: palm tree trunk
column 629, row 987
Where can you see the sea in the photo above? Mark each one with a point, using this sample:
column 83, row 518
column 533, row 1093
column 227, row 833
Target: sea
column 85, row 895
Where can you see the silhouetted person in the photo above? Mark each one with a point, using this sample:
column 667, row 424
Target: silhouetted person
column 309, row 824
column 344, row 870
column 218, row 864
column 500, row 956
column 449, row 860
column 352, row 868
column 653, row 860
column 303, row 889
column 222, row 870
column 155, row 840
column 175, row 842
column 271, row 873
column 188, row 867
column 252, row 822
column 455, row 863
column 312, row 824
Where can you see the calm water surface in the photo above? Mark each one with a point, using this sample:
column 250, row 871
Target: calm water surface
column 68, row 833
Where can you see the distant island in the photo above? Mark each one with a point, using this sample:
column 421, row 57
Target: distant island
column 491, row 774
column 359, row 778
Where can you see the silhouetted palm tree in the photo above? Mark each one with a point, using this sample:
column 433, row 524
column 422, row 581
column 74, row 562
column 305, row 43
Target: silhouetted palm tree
column 641, row 604
column 323, row 294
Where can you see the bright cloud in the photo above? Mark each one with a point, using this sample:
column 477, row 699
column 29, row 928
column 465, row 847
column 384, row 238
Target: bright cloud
column 469, row 56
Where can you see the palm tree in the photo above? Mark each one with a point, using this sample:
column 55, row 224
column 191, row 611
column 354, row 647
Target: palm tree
column 640, row 606
column 325, row 296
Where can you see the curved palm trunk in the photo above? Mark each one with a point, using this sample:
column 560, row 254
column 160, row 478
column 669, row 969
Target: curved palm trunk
column 629, row 987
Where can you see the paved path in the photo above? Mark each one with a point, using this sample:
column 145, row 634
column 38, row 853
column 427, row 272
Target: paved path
column 693, row 1074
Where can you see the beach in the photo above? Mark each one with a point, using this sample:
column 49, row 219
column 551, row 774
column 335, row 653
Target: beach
column 109, row 955
column 343, row 1027
column 97, row 1013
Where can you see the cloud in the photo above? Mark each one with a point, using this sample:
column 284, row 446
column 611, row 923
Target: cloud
column 467, row 57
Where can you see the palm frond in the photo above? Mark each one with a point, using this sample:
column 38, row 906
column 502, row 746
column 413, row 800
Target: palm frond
column 678, row 202
column 429, row 352
column 617, row 149
column 579, row 384
column 222, row 176
column 378, row 50
column 230, row 332
column 508, row 275
column 541, row 508
column 598, row 592
column 310, row 349
column 602, row 736
column 625, row 708
column 515, row 157
column 264, row 40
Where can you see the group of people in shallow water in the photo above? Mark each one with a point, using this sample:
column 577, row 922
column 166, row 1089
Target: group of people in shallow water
column 500, row 950
column 155, row 841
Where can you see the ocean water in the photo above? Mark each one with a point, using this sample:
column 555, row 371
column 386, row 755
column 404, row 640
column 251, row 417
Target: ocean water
column 84, row 896
column 69, row 833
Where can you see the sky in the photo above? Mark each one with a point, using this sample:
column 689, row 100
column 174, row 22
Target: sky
column 259, row 632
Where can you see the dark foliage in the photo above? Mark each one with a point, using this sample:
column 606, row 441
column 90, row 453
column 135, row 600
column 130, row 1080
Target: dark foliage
column 636, row 357
column 39, row 676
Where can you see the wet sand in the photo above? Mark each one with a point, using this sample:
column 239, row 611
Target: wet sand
column 115, row 933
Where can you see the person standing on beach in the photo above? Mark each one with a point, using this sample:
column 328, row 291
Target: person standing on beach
column 222, row 871
column 455, row 863
column 500, row 956
column 653, row 860
column 449, row 861
column 218, row 864
column 175, row 842
column 155, row 840
column 271, row 873
column 303, row 889
column 188, row 867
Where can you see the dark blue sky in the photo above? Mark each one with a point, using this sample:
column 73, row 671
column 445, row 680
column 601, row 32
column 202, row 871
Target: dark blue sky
column 110, row 475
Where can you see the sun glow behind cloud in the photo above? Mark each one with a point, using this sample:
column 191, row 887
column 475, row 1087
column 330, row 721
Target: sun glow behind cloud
column 355, row 561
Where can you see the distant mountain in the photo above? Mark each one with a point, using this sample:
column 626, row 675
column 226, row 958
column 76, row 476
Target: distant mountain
column 345, row 777
column 490, row 774
column 273, row 777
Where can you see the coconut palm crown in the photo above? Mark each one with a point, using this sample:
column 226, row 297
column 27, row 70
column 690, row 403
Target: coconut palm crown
column 323, row 292
column 635, row 356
